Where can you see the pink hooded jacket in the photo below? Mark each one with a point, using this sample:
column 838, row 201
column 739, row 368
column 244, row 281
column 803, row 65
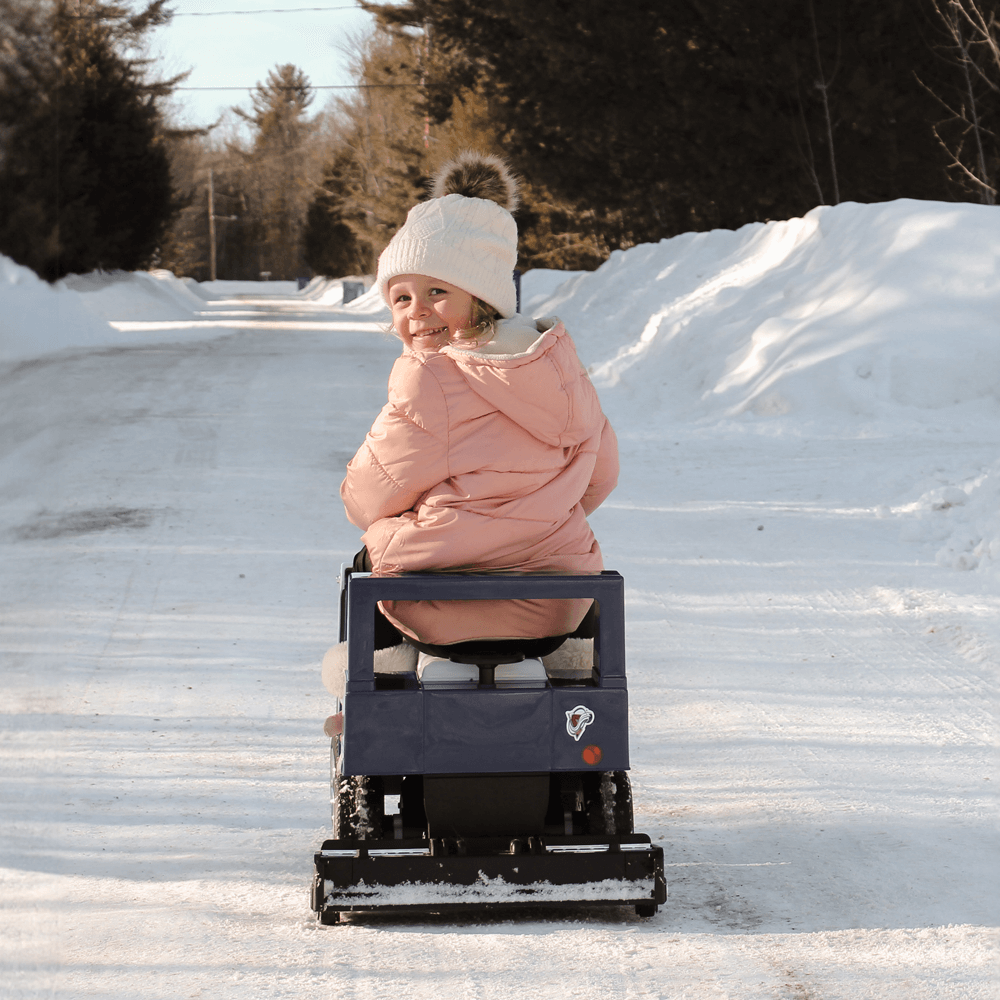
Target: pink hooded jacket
column 486, row 460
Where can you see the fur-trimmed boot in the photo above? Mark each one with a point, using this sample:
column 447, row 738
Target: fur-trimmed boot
column 395, row 660
column 573, row 660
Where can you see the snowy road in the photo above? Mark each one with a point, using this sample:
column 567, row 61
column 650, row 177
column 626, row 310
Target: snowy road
column 813, row 736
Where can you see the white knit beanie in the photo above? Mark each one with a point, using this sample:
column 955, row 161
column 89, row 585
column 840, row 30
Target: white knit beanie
column 462, row 235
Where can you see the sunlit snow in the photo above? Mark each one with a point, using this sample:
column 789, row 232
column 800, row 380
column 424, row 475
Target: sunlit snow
column 808, row 522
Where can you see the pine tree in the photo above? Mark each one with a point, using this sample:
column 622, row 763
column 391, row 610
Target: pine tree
column 278, row 172
column 184, row 249
column 384, row 131
column 330, row 245
column 661, row 118
column 84, row 178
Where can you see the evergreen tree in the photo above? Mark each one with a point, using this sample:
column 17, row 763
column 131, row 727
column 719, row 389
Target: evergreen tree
column 184, row 249
column 331, row 246
column 279, row 107
column 277, row 174
column 385, row 133
column 662, row 118
column 84, row 178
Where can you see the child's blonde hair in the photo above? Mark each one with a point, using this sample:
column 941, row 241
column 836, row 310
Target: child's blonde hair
column 483, row 327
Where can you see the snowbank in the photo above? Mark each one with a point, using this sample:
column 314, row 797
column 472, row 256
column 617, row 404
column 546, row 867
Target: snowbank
column 36, row 318
column 330, row 291
column 857, row 319
column 107, row 309
column 146, row 295
column 855, row 311
column 370, row 304
column 540, row 285
column 853, row 314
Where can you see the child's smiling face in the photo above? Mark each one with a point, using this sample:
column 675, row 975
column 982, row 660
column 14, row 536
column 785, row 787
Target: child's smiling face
column 427, row 313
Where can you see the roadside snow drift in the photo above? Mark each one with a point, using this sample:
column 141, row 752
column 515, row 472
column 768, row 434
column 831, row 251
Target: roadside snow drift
column 852, row 313
column 857, row 319
column 123, row 309
column 36, row 318
column 857, row 311
column 145, row 295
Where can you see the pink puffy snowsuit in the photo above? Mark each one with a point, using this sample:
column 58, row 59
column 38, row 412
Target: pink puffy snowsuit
column 485, row 460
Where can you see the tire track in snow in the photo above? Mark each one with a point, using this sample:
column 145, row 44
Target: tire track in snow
column 881, row 652
column 812, row 655
column 895, row 638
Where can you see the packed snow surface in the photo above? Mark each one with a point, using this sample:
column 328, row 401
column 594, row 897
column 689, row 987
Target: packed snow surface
column 808, row 522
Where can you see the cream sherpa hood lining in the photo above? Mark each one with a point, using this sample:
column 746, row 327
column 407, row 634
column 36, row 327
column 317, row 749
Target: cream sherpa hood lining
column 517, row 337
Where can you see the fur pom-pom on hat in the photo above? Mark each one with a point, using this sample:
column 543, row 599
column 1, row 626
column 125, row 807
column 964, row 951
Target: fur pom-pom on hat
column 465, row 235
column 478, row 175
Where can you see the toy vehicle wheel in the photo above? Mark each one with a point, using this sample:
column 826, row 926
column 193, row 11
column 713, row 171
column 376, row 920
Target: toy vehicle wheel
column 358, row 807
column 358, row 804
column 609, row 804
column 645, row 909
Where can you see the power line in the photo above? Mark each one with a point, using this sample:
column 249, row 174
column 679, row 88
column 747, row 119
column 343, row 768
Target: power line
column 273, row 10
column 331, row 86
column 102, row 16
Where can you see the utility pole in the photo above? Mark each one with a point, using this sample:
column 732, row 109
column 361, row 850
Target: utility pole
column 211, row 227
column 212, row 219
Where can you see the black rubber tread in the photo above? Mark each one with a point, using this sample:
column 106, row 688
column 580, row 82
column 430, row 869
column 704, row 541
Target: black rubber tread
column 357, row 803
column 608, row 798
column 358, row 807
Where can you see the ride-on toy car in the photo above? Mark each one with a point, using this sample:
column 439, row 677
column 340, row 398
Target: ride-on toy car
column 491, row 792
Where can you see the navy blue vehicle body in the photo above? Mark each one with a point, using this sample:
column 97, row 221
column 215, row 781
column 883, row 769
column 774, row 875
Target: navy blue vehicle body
column 494, row 794
column 503, row 729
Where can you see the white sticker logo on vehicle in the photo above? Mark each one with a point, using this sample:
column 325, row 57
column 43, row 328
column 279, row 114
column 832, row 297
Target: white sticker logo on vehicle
column 577, row 720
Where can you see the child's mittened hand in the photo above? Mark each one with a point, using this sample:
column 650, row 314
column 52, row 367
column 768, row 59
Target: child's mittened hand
column 334, row 725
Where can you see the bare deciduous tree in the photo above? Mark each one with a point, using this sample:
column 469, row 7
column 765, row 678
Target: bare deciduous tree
column 972, row 43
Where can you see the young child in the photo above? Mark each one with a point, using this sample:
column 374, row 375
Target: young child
column 492, row 448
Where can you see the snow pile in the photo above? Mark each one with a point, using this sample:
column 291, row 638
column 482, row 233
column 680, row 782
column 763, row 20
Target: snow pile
column 327, row 290
column 330, row 291
column 200, row 289
column 36, row 318
column 539, row 286
column 369, row 304
column 139, row 295
column 854, row 311
column 112, row 308
column 106, row 309
column 966, row 519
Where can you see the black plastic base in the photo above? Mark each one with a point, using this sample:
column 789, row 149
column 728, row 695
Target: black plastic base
column 452, row 875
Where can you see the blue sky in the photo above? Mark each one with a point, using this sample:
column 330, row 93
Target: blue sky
column 237, row 49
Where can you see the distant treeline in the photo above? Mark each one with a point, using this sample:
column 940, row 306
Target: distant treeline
column 627, row 123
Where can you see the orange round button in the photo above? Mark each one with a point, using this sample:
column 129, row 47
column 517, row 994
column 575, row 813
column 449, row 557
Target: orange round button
column 592, row 754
